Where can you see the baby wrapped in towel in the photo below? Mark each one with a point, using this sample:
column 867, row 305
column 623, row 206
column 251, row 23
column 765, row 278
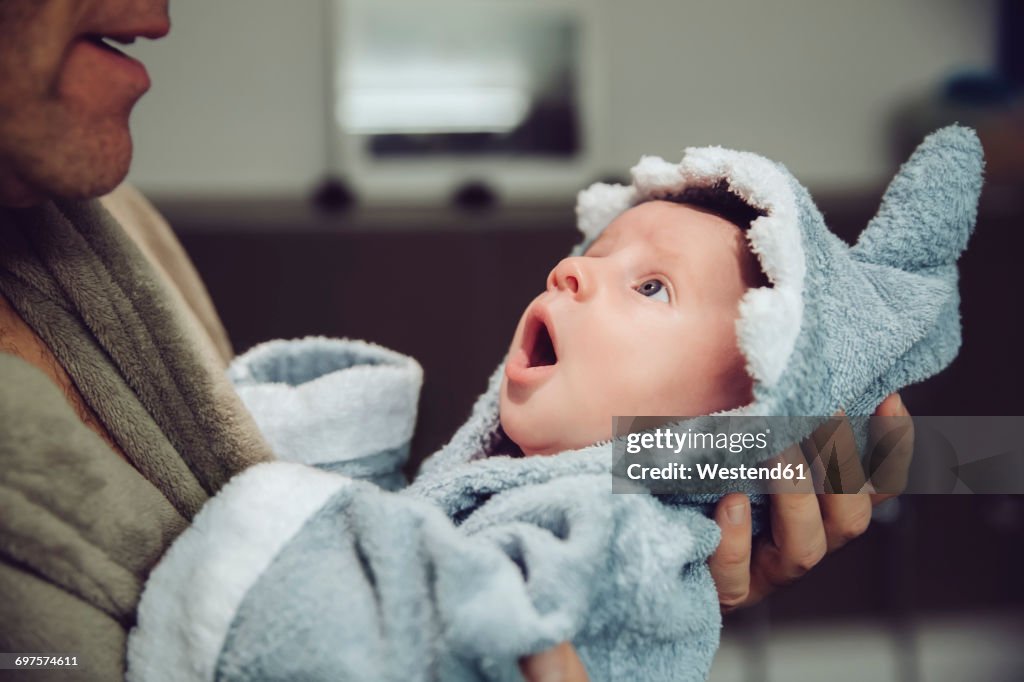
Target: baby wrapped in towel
column 705, row 286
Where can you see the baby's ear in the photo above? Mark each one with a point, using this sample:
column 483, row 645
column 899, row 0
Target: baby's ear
column 929, row 209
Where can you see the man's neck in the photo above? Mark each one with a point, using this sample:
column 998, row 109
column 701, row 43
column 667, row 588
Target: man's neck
column 15, row 192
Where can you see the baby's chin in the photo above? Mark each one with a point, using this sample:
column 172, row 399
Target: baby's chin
column 518, row 430
column 535, row 439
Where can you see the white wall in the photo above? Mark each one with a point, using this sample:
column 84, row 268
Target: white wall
column 237, row 105
column 237, row 102
column 807, row 82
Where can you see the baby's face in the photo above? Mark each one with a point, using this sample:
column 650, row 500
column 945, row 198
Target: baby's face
column 644, row 323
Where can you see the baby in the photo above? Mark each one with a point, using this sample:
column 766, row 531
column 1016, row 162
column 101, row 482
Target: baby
column 711, row 285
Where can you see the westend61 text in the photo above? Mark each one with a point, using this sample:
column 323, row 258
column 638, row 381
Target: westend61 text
column 717, row 472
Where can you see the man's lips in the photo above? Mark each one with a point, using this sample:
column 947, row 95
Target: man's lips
column 97, row 41
column 110, row 61
column 104, row 42
column 537, row 355
column 126, row 33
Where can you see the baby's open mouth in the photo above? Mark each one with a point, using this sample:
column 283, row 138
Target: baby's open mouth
column 536, row 358
column 540, row 349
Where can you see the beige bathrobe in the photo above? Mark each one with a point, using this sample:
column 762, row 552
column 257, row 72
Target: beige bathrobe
column 110, row 291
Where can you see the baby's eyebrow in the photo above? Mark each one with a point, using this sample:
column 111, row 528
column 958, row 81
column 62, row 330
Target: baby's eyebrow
column 602, row 242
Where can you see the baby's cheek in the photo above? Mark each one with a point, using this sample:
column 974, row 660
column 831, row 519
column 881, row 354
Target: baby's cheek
column 507, row 409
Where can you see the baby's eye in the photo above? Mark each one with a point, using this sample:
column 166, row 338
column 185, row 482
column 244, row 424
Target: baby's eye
column 654, row 288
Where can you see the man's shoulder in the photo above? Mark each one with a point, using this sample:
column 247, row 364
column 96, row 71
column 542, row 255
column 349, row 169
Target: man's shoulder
column 141, row 221
column 136, row 214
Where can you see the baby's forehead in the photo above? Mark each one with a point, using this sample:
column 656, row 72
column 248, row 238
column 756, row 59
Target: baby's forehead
column 667, row 227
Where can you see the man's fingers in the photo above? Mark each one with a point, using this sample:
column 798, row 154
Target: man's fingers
column 806, row 526
column 730, row 564
column 891, row 448
column 558, row 664
column 797, row 532
column 845, row 517
column 798, row 539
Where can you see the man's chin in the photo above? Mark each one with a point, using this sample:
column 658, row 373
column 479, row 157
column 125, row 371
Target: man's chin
column 87, row 173
column 101, row 168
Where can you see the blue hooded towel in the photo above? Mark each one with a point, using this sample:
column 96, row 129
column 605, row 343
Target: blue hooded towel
column 296, row 572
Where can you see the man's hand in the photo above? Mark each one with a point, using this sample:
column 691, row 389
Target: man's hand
column 557, row 664
column 804, row 526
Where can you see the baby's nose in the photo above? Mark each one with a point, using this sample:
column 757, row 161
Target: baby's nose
column 569, row 275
